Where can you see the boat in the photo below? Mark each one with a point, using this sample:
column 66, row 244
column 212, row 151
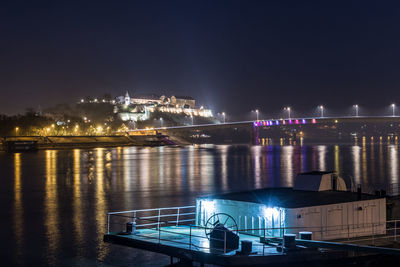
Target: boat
column 317, row 220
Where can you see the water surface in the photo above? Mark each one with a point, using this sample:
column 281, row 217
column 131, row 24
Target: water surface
column 54, row 202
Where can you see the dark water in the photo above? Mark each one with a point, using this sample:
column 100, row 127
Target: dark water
column 54, row 203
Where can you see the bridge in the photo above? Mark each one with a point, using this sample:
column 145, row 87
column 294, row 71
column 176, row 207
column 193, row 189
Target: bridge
column 289, row 131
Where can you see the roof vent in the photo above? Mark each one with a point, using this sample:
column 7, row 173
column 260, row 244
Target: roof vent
column 319, row 181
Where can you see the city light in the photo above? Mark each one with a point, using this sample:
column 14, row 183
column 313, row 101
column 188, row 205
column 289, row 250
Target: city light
column 271, row 213
column 394, row 109
column 256, row 111
column 209, row 205
column 223, row 115
column 288, row 110
column 322, row 111
column 356, row 109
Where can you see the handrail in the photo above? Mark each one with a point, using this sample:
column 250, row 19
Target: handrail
column 164, row 215
column 180, row 217
column 142, row 210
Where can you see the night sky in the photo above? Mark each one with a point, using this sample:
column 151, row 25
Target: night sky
column 232, row 56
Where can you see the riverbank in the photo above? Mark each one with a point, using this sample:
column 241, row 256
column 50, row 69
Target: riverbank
column 59, row 142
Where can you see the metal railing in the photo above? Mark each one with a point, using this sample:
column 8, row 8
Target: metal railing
column 392, row 189
column 153, row 217
column 182, row 218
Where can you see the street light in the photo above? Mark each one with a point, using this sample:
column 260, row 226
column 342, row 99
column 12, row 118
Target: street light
column 256, row 111
column 356, row 108
column 393, row 108
column 223, row 115
column 322, row 111
column 16, row 130
column 288, row 110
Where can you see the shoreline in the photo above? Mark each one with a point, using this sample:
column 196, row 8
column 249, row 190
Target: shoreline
column 33, row 143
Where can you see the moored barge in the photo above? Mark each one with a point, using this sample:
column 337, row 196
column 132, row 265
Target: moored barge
column 318, row 221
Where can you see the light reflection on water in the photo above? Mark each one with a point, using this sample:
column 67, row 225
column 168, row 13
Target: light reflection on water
column 355, row 151
column 287, row 164
column 77, row 200
column 393, row 164
column 18, row 208
column 52, row 211
column 64, row 195
column 101, row 204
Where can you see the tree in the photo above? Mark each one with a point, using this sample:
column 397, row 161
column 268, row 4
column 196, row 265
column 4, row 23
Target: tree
column 107, row 96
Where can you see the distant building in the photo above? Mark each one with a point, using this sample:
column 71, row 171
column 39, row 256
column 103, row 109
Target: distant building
column 147, row 99
column 137, row 113
column 140, row 106
column 183, row 101
column 127, row 99
column 120, row 100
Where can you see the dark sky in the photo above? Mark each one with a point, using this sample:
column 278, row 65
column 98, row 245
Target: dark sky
column 232, row 56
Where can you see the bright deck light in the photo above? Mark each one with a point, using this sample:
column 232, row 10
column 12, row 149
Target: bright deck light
column 209, row 205
column 270, row 213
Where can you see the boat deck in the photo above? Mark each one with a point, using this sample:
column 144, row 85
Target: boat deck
column 191, row 238
column 191, row 243
column 170, row 231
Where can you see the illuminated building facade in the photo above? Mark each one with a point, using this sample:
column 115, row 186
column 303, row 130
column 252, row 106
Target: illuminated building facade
column 140, row 107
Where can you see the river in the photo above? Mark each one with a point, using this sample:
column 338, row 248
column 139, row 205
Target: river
column 54, row 202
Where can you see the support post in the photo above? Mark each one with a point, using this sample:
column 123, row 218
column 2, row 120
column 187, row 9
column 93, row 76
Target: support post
column 224, row 241
column 190, row 236
column 158, row 225
column 177, row 218
column 264, row 241
column 255, row 135
column 108, row 223
column 159, row 214
column 395, row 225
column 159, row 235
